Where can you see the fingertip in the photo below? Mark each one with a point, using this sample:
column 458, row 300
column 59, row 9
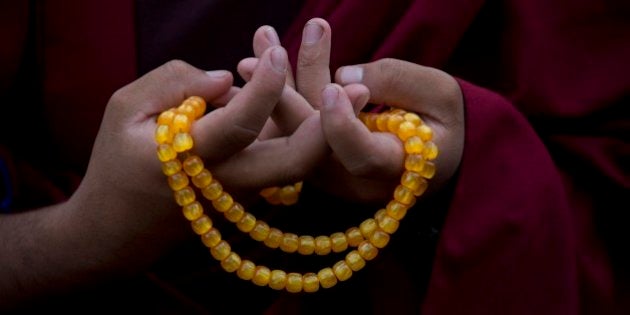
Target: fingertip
column 349, row 74
column 330, row 95
column 245, row 67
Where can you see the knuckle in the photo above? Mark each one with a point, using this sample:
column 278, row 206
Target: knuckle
column 364, row 166
column 176, row 67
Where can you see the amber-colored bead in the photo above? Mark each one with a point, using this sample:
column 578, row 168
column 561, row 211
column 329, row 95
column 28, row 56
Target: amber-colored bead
column 425, row 132
column 198, row 103
column 246, row 223
column 381, row 122
column 187, row 110
column 289, row 243
column 192, row 211
column 367, row 250
column 393, row 123
column 262, row 275
column 260, row 231
column 246, row 270
column 430, row 151
column 354, row 236
column 396, row 210
column 269, row 191
column 323, row 245
column 221, row 250
column 406, row 130
column 414, row 145
column 184, row 196
column 342, row 270
column 274, row 199
column 223, row 203
column 306, row 245
column 422, row 187
column 428, row 171
column 211, row 238
column 379, row 239
column 166, row 152
column 404, row 195
column 310, row 282
column 414, row 163
column 339, row 242
column 181, row 123
column 201, row 225
column 327, row 278
column 370, row 121
column 278, row 279
column 380, row 214
column 232, row 262
column 171, row 167
column 288, row 195
column 368, row 227
column 178, row 181
column 411, row 180
column 203, row 179
column 295, row 282
column 193, row 165
column 355, row 261
column 274, row 238
column 298, row 186
column 212, row 191
column 388, row 224
column 166, row 117
column 182, row 142
column 163, row 134
column 235, row 213
column 412, row 118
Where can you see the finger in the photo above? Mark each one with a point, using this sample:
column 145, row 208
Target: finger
column 226, row 97
column 359, row 96
column 229, row 129
column 245, row 68
column 362, row 153
column 265, row 37
column 313, row 72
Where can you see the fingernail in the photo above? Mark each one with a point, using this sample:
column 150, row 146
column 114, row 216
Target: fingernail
column 312, row 33
column 330, row 95
column 351, row 74
column 272, row 36
column 217, row 73
column 279, row 59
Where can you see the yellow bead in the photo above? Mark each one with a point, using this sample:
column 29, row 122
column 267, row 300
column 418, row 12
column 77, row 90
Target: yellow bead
column 339, row 242
column 289, row 243
column 370, row 122
column 393, row 123
column 342, row 270
column 221, row 250
column 379, row 239
column 184, row 196
column 298, row 187
column 354, row 236
column 235, row 213
column 411, row 180
column 232, row 262
column 246, row 270
column 163, row 134
column 261, row 230
column 193, row 165
column 368, row 227
column 262, row 276
column 381, row 121
column 288, row 195
column 192, row 211
column 295, row 282
column 178, row 181
column 380, row 214
column 362, row 117
column 274, row 199
column 181, row 123
column 388, row 224
column 367, row 250
column 406, row 130
column 182, row 142
column 203, row 179
column 269, row 191
column 428, row 171
column 171, row 167
column 278, row 279
column 201, row 225
column 198, row 103
column 327, row 278
column 425, row 132
column 355, row 261
column 310, row 282
column 274, row 238
column 212, row 191
column 414, row 163
column 396, row 210
column 430, row 151
column 414, row 145
column 166, row 117
column 306, row 245
column 323, row 245
column 166, row 152
column 211, row 238
column 412, row 118
column 223, row 203
column 187, row 110
column 422, row 187
column 404, row 195
column 247, row 223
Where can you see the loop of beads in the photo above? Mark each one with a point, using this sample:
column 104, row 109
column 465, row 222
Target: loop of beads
column 181, row 168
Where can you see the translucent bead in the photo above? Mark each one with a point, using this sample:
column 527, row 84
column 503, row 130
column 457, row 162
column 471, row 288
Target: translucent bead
column 288, row 195
column 223, row 203
column 339, row 242
column 370, row 122
column 178, row 181
column 404, row 195
column 166, row 152
column 414, row 145
column 379, row 239
column 323, row 245
column 396, row 210
column 380, row 214
column 171, row 167
column 355, row 261
column 295, row 282
column 310, row 282
column 274, row 238
column 181, row 123
column 187, row 110
column 192, row 211
column 221, row 250
column 198, row 103
column 342, row 270
column 201, row 225
column 412, row 118
column 182, row 142
column 235, row 213
column 193, row 165
column 261, row 230
column 428, row 171
column 246, row 270
column 232, row 262
column 381, row 121
column 278, row 279
column 425, row 132
column 289, row 243
column 212, row 191
column 411, row 180
column 422, row 187
column 362, row 117
column 163, row 134
column 275, row 198
column 306, row 245
column 393, row 123
column 211, row 238
column 247, row 223
column 430, row 151
column 262, row 275
column 367, row 250
column 388, row 224
column 269, row 191
column 203, row 179
column 166, row 117
column 368, row 227
column 327, row 278
column 298, row 186
column 414, row 163
column 184, row 196
column 354, row 236
column 406, row 130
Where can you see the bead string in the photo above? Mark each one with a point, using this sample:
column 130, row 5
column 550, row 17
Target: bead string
column 175, row 142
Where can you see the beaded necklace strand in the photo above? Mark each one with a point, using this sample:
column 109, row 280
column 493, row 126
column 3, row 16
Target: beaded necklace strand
column 182, row 167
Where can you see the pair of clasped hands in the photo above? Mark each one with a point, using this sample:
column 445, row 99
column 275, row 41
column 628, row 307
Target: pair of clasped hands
column 277, row 129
